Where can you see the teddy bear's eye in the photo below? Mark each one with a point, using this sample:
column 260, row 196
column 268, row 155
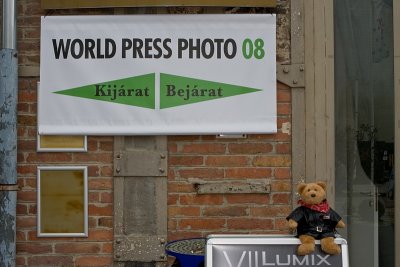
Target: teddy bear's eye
column 309, row 190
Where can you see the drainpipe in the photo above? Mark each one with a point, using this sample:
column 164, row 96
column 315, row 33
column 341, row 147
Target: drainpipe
column 8, row 135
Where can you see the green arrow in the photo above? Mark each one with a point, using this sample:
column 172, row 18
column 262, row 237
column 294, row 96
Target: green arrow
column 179, row 90
column 134, row 91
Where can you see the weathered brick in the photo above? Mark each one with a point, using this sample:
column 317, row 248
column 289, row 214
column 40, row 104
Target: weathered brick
column 204, row 173
column 271, row 211
column 100, row 209
column 185, row 160
column 106, row 222
column 94, row 261
column 180, row 187
column 250, row 148
column 227, row 161
column 100, row 235
column 259, row 199
column 100, row 184
column 248, row 172
column 201, row 223
column 176, row 211
column 77, row 248
column 50, row 260
column 34, row 248
column 106, row 197
column 49, row 157
column 204, row 148
column 228, row 211
column 250, row 223
column 272, row 161
column 281, row 198
column 26, row 222
column 282, row 173
column 200, row 199
column 281, row 186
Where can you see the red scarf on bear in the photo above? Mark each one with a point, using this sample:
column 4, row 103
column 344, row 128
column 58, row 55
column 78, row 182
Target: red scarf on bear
column 321, row 207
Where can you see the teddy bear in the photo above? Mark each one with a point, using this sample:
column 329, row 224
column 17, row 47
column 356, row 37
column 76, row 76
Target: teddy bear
column 315, row 220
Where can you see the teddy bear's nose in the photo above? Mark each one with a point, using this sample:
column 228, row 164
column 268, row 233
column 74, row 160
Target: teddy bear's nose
column 312, row 195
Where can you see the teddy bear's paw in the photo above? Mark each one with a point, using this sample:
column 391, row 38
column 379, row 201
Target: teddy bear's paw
column 305, row 249
column 328, row 246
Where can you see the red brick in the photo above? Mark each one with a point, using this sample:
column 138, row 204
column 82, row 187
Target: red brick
column 201, row 199
column 250, row 224
column 260, row 199
column 34, row 248
column 204, row 148
column 282, row 173
column 201, row 224
column 106, row 145
column 248, row 172
column 180, row 187
column 27, row 95
column 77, row 248
column 26, row 145
column 174, row 211
column 26, row 120
column 94, row 261
column 93, row 157
column 100, row 235
column 20, row 261
column 284, row 148
column 281, row 186
column 100, row 210
column 250, row 148
column 24, row 222
column 49, row 260
column 185, row 160
column 284, row 95
column 49, row 157
column 93, row 171
column 106, row 197
column 281, row 198
column 272, row 161
column 100, row 184
column 229, row 211
column 173, row 199
column 106, row 222
column 270, row 211
column 94, row 197
column 26, row 170
column 227, row 161
column 284, row 108
column 107, row 248
column 20, row 235
column 22, row 209
column 202, row 173
column 106, row 171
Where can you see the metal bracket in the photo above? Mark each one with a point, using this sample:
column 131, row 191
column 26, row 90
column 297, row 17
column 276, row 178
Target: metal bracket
column 141, row 163
column 9, row 187
column 291, row 74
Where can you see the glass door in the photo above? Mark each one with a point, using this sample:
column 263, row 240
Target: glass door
column 364, row 128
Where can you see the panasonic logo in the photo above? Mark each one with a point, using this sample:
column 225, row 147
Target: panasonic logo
column 260, row 259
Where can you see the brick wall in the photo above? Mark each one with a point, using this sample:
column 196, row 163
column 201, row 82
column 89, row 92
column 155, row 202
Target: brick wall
column 262, row 158
column 265, row 158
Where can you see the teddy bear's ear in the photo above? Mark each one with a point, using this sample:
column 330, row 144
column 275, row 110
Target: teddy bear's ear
column 301, row 187
column 322, row 184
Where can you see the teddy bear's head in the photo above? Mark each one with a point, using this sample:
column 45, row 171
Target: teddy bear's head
column 312, row 193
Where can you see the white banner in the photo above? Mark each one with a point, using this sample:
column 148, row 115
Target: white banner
column 157, row 74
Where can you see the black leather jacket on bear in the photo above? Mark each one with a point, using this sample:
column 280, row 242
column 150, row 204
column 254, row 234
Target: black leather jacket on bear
column 315, row 223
